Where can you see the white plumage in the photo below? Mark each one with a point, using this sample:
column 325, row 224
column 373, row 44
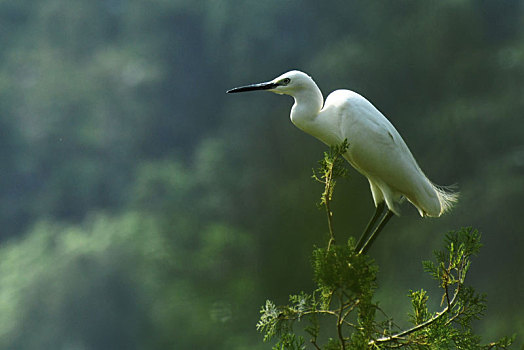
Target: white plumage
column 376, row 149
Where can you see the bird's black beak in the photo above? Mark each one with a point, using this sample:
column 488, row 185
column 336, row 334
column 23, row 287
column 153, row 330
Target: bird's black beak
column 253, row 87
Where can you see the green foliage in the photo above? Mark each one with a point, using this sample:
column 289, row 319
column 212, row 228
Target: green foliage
column 331, row 167
column 450, row 328
column 340, row 268
column 346, row 283
column 345, row 287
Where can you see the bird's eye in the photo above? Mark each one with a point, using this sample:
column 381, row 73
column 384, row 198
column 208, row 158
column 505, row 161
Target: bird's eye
column 285, row 81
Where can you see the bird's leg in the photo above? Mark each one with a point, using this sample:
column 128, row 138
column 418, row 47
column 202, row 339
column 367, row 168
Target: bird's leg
column 379, row 228
column 371, row 224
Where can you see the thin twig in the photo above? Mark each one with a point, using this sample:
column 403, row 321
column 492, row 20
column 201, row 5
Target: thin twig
column 350, row 309
column 454, row 317
column 314, row 342
column 327, row 200
column 448, row 274
column 325, row 312
column 340, row 321
column 401, row 335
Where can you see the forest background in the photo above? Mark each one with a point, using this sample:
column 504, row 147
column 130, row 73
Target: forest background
column 142, row 207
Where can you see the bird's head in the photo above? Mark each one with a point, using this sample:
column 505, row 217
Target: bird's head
column 288, row 83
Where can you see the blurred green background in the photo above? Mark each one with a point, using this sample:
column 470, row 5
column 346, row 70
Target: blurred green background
column 143, row 208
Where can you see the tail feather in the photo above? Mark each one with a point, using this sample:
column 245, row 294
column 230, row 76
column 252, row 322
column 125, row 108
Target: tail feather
column 447, row 195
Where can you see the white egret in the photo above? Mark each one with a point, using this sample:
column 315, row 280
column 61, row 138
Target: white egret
column 376, row 149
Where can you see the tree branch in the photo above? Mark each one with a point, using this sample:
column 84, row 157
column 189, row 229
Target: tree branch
column 327, row 200
column 425, row 324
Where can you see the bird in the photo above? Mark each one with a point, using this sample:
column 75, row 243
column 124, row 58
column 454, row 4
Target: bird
column 375, row 148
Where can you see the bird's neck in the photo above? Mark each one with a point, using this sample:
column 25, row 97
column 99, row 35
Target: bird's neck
column 308, row 104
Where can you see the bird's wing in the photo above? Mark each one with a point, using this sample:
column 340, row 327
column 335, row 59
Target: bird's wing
column 376, row 149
